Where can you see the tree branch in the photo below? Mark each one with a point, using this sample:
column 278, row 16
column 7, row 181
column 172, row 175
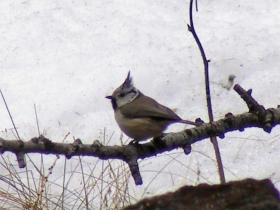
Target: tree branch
column 257, row 116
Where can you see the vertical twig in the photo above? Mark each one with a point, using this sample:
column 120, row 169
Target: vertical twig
column 9, row 114
column 102, row 175
column 84, row 183
column 37, row 122
column 42, row 166
column 208, row 95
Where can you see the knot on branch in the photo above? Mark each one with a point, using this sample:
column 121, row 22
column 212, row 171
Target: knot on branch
column 76, row 146
column 41, row 140
column 96, row 146
column 230, row 120
column 38, row 140
column 198, row 122
column 269, row 120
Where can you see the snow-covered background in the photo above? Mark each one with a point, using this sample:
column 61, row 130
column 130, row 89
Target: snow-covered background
column 66, row 56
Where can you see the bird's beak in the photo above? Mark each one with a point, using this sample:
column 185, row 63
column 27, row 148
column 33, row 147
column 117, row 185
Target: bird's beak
column 109, row 97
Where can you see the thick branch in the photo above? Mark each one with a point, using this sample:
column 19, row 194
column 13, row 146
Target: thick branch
column 140, row 151
column 131, row 153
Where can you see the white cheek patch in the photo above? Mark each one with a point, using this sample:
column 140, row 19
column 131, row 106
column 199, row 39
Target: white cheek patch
column 127, row 98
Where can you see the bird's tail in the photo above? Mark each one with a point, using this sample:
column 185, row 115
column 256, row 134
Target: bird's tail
column 188, row 122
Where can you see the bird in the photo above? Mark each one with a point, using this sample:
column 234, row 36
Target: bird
column 139, row 116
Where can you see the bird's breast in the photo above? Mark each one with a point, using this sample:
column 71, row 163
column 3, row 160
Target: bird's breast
column 140, row 128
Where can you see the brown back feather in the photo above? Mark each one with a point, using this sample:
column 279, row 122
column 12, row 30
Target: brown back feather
column 146, row 107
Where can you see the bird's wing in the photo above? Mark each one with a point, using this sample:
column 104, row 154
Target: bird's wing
column 143, row 107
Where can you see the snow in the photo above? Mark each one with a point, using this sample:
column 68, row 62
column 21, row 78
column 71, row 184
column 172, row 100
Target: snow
column 66, row 56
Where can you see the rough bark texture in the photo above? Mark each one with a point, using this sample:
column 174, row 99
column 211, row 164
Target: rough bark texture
column 248, row 194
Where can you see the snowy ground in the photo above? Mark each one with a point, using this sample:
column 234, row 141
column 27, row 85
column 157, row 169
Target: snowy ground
column 66, row 56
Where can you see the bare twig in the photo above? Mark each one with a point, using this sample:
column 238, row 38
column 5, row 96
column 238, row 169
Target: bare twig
column 208, row 94
column 9, row 113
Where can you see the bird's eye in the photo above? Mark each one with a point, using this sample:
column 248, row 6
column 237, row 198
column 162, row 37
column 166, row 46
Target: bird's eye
column 122, row 95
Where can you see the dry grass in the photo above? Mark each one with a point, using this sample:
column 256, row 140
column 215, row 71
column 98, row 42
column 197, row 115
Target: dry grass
column 81, row 185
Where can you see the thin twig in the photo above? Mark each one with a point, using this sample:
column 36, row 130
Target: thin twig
column 9, row 114
column 37, row 122
column 84, row 183
column 208, row 95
